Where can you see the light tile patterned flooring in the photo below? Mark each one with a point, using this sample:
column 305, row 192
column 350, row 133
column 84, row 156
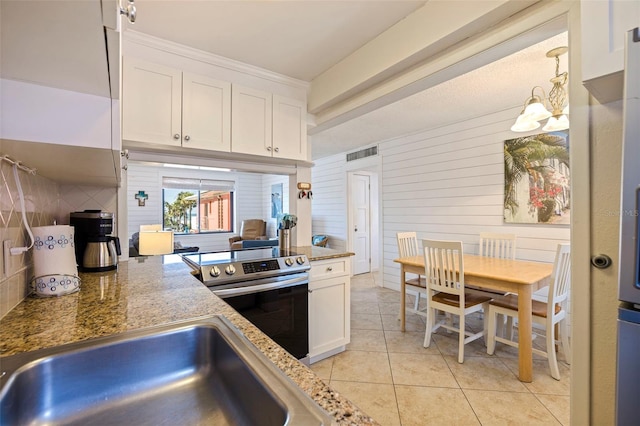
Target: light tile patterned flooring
column 395, row 380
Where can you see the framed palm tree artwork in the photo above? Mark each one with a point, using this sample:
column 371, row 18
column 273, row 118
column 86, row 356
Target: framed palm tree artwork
column 537, row 178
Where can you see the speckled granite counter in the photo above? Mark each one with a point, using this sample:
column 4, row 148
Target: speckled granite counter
column 320, row 253
column 150, row 291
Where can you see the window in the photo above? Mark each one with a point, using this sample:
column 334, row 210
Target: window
column 197, row 205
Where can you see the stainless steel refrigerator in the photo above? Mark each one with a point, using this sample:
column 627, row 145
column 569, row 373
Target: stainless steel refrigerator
column 628, row 374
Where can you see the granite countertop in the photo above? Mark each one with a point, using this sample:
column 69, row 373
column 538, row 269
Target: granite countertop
column 320, row 253
column 149, row 291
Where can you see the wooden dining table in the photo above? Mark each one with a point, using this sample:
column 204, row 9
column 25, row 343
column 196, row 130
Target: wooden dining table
column 513, row 276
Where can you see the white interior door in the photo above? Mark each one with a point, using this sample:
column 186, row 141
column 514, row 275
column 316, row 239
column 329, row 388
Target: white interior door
column 361, row 222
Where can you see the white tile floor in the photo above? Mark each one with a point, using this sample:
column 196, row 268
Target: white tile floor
column 394, row 379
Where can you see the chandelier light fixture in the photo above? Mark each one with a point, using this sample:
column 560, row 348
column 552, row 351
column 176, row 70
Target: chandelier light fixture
column 535, row 107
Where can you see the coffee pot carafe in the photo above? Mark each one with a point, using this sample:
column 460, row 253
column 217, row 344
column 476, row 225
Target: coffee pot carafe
column 101, row 253
column 96, row 250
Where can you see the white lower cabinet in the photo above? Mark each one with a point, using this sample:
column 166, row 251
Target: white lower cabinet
column 329, row 308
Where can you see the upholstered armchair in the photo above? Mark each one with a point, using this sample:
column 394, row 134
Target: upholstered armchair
column 251, row 229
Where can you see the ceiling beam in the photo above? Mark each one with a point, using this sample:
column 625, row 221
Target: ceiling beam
column 509, row 36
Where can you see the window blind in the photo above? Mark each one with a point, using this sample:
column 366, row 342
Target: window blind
column 198, row 184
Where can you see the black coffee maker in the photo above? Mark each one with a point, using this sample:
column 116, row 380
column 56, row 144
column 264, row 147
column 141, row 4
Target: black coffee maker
column 96, row 249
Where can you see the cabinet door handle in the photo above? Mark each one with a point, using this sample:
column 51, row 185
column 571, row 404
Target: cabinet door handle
column 176, row 136
column 187, row 138
column 276, row 149
column 329, row 269
column 268, row 148
column 310, row 291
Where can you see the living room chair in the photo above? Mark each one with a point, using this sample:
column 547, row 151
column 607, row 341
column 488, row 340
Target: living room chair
column 251, row 229
column 444, row 271
column 545, row 314
column 408, row 246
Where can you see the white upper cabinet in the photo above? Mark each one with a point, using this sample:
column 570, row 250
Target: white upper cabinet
column 58, row 90
column 151, row 103
column 268, row 125
column 206, row 113
column 251, row 122
column 289, row 128
column 163, row 105
column 605, row 24
column 175, row 97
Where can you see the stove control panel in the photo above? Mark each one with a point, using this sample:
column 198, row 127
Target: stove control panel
column 240, row 270
column 260, row 266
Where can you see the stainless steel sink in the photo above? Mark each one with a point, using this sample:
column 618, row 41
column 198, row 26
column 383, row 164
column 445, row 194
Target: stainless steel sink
column 202, row 372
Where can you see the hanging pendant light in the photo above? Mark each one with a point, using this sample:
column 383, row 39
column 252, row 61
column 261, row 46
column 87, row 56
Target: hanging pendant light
column 555, row 124
column 535, row 109
column 524, row 124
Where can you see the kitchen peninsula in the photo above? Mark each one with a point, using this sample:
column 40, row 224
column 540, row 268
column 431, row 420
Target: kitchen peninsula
column 150, row 291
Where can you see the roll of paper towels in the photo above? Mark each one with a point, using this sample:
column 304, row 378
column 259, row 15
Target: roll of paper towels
column 54, row 260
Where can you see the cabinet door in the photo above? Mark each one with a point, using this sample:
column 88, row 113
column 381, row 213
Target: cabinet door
column 250, row 121
column 329, row 314
column 206, row 113
column 604, row 30
column 151, row 102
column 289, row 128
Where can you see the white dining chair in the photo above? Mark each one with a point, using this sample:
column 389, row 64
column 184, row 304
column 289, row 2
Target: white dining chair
column 498, row 245
column 502, row 246
column 444, row 270
column 417, row 286
column 545, row 314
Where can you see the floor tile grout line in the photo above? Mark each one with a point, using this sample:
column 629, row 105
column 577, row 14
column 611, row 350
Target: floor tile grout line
column 393, row 383
column 471, row 406
column 547, row 408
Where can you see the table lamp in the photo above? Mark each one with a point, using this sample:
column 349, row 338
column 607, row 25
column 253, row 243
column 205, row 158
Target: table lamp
column 153, row 242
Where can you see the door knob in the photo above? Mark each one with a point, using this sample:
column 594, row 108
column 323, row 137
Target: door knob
column 276, row 149
column 187, row 138
column 601, row 261
column 176, row 136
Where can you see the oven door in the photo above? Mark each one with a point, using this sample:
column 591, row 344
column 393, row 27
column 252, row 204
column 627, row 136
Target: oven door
column 278, row 307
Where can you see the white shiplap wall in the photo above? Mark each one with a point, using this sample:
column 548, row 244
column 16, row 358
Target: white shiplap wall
column 443, row 183
column 329, row 203
column 249, row 200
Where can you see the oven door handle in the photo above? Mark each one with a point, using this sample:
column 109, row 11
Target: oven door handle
column 239, row 291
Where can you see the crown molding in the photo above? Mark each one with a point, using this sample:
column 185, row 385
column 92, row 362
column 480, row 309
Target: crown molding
column 210, row 58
